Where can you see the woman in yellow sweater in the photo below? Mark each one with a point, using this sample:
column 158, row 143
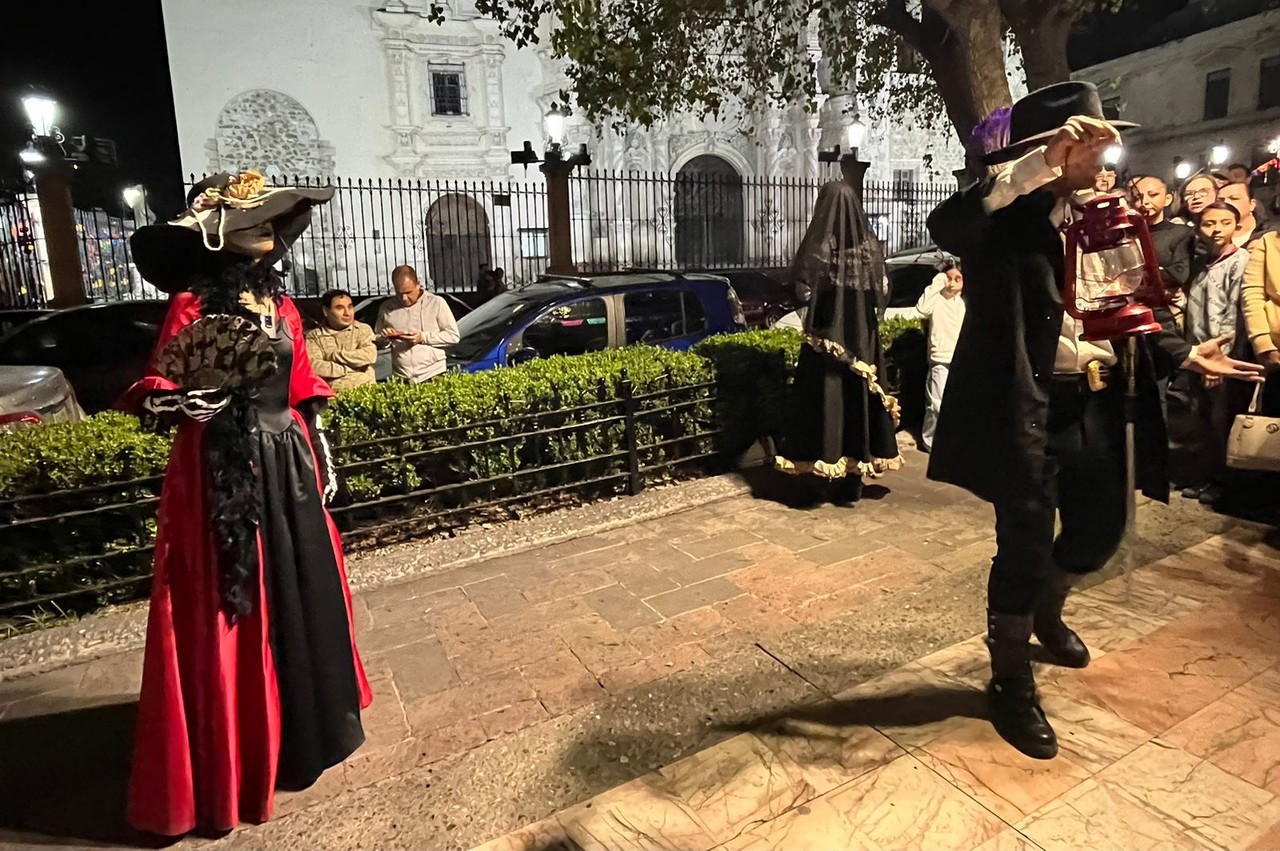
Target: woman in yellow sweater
column 1260, row 300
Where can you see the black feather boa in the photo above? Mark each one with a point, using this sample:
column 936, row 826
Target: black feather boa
column 230, row 449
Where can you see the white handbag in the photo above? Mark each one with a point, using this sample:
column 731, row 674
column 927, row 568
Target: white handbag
column 1254, row 443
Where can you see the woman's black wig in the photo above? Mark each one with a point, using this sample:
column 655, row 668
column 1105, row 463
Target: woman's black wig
column 230, row 449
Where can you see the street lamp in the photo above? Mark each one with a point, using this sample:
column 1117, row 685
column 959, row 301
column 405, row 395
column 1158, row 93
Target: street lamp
column 1181, row 168
column 554, row 121
column 857, row 134
column 1219, row 155
column 30, row 155
column 41, row 111
column 556, row 168
column 852, row 169
column 49, row 164
column 1112, row 156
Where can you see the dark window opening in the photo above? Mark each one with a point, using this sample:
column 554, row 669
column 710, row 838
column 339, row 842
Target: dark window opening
column 448, row 90
column 1217, row 94
column 1269, row 83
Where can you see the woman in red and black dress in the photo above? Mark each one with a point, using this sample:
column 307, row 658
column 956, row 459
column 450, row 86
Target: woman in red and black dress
column 251, row 680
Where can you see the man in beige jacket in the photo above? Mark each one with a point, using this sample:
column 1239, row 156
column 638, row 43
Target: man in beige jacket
column 418, row 326
column 342, row 351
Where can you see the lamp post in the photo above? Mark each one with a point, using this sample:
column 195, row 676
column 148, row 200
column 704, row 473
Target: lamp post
column 852, row 169
column 47, row 161
column 556, row 167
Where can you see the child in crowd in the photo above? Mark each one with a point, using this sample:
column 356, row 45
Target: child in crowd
column 1213, row 305
column 943, row 305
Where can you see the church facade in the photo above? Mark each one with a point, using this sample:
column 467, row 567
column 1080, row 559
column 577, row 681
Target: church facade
column 322, row 88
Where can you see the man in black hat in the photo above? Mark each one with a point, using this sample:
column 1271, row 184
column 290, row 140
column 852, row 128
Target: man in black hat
column 1033, row 420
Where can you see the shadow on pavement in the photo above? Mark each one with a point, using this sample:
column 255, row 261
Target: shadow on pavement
column 64, row 776
column 911, row 708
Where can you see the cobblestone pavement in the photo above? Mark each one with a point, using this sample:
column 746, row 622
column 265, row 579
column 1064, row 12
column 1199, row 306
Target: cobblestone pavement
column 709, row 669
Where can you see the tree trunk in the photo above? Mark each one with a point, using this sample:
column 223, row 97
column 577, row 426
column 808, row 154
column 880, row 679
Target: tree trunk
column 965, row 51
column 1041, row 32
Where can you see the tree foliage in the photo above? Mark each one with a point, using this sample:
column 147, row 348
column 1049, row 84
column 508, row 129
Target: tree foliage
column 643, row 60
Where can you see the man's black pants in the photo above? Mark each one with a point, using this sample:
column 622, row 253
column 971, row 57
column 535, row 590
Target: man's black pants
column 1084, row 485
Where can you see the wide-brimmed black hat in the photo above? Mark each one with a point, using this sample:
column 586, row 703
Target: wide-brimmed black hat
column 1038, row 116
column 172, row 255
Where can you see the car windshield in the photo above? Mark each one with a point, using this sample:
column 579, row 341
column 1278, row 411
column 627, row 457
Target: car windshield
column 480, row 329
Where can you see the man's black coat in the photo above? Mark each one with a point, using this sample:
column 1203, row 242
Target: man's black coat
column 992, row 430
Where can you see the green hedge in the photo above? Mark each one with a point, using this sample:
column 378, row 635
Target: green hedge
column 753, row 374
column 481, row 403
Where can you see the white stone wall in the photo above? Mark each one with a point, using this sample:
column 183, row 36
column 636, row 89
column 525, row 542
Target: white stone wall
column 1163, row 90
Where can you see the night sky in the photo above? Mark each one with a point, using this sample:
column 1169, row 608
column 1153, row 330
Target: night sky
column 106, row 64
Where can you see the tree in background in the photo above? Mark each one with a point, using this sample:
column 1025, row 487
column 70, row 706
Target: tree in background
column 642, row 60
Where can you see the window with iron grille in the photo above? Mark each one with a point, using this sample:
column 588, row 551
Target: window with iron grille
column 1217, row 94
column 534, row 243
column 448, row 89
column 1269, row 82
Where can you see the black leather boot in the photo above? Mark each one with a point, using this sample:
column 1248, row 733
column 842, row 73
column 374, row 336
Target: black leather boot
column 1061, row 645
column 1015, row 706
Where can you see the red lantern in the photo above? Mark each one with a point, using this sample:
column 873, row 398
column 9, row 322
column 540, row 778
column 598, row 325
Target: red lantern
column 1112, row 273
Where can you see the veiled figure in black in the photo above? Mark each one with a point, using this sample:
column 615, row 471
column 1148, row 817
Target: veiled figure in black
column 843, row 420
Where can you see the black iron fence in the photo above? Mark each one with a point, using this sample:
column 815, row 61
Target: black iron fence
column 716, row 221
column 449, row 230
column 453, row 230
column 77, row 550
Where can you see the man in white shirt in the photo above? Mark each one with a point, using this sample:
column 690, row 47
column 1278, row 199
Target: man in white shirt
column 1034, row 423
column 417, row 325
column 943, row 305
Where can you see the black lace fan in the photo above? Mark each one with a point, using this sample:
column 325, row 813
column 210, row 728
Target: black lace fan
column 218, row 352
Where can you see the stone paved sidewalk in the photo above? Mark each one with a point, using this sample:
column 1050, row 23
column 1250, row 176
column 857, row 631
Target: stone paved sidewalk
column 511, row 688
column 1170, row 740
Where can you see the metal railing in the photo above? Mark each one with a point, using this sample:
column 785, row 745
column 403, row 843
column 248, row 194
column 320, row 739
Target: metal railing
column 453, row 230
column 713, row 221
column 77, row 550
column 449, row 230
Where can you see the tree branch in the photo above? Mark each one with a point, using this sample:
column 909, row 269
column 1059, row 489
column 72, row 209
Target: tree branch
column 896, row 16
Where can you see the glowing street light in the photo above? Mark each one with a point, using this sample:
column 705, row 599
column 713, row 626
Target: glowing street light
column 41, row 111
column 132, row 195
column 1219, row 155
column 554, row 121
column 857, row 131
column 1111, row 156
column 30, row 156
column 1181, row 168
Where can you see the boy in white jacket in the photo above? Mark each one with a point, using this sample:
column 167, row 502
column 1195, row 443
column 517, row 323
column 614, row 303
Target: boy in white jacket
column 943, row 306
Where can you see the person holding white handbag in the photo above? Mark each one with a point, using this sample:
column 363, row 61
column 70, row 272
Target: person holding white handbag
column 1254, row 443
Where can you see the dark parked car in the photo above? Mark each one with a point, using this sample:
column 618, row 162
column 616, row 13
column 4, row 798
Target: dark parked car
column 766, row 296
column 571, row 315
column 12, row 319
column 100, row 348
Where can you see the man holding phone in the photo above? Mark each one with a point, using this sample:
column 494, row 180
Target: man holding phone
column 417, row 325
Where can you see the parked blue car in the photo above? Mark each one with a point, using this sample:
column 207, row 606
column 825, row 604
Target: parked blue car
column 573, row 315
